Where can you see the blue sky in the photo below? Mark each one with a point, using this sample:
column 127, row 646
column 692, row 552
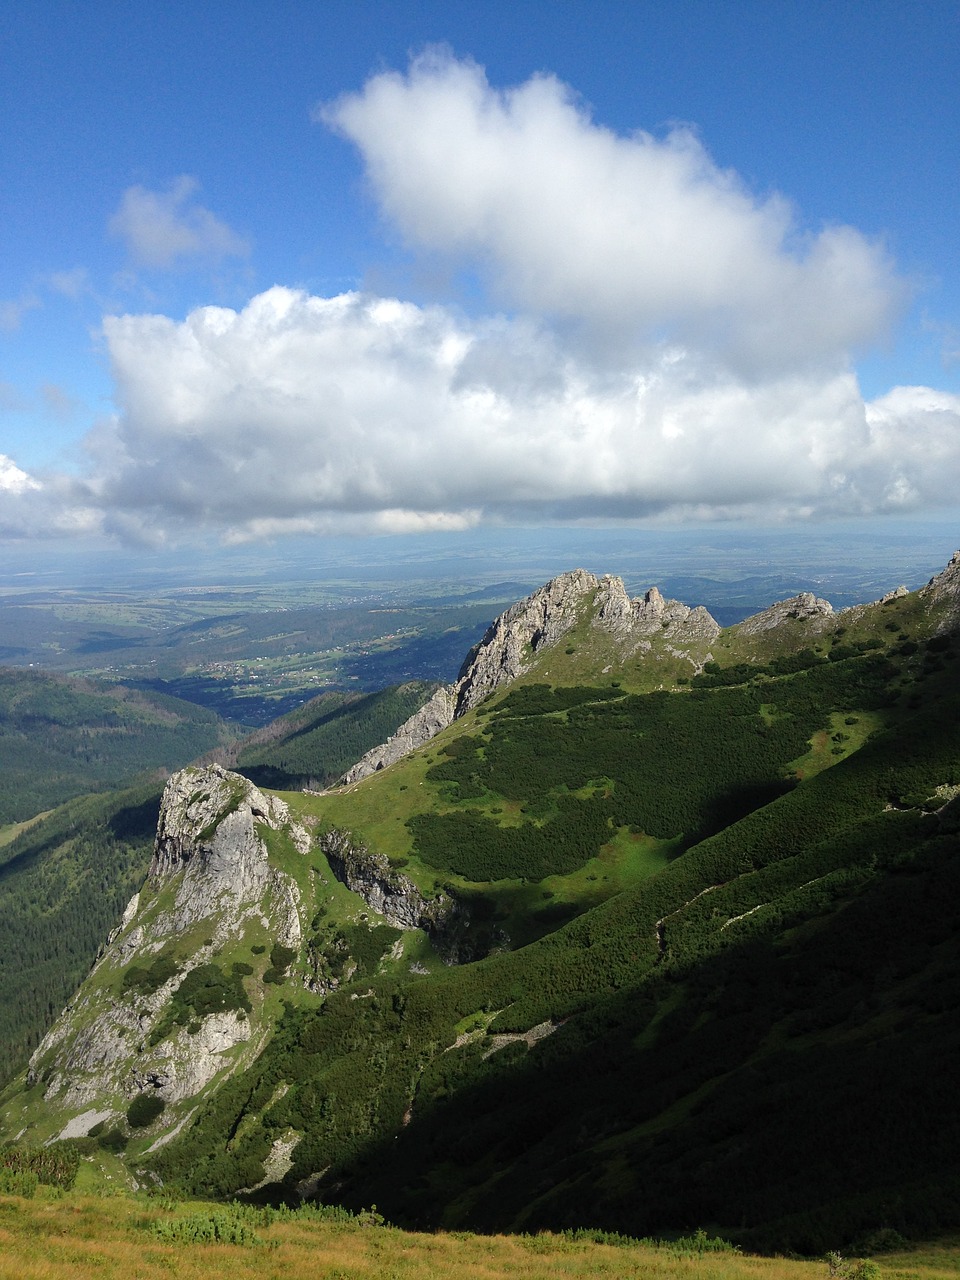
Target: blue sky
column 468, row 264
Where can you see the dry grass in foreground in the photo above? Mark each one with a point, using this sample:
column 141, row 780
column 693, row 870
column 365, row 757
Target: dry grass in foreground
column 76, row 1237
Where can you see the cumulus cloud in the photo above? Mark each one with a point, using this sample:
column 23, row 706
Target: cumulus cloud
column 671, row 345
column 634, row 234
column 305, row 414
column 12, row 478
column 161, row 228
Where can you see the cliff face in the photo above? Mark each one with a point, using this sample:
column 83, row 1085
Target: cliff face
column 395, row 897
column 518, row 636
column 944, row 590
column 210, row 883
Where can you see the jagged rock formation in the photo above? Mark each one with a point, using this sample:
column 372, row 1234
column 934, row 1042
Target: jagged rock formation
column 389, row 892
column 651, row 613
column 433, row 716
column 944, row 589
column 210, row 870
column 208, row 832
column 805, row 605
column 522, row 632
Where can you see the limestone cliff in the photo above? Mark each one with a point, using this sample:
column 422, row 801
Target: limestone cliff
column 211, row 881
column 392, row 894
column 518, row 636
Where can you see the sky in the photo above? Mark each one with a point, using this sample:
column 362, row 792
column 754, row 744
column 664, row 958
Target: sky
column 322, row 268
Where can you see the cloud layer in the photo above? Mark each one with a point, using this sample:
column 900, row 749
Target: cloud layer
column 669, row 344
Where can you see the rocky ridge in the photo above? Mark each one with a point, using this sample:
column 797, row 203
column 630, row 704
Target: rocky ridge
column 516, row 638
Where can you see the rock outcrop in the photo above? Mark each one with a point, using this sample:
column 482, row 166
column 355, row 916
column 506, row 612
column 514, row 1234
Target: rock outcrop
column 210, row 872
column 650, row 614
column 944, row 589
column 802, row 607
column 385, row 889
column 515, row 639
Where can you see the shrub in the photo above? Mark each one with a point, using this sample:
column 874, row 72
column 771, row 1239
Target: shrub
column 144, row 1109
column 18, row 1182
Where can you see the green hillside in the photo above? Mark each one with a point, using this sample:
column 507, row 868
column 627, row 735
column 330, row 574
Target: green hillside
column 61, row 737
column 65, row 879
column 707, row 962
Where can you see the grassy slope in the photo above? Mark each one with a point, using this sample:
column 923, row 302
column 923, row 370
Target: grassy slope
column 80, row 1237
column 651, row 982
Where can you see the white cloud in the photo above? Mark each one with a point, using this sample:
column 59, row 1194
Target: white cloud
column 13, row 479
column 677, row 349
column 160, row 228
column 302, row 414
column 632, row 235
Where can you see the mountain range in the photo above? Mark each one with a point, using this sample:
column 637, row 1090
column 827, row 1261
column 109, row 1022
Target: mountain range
column 643, row 924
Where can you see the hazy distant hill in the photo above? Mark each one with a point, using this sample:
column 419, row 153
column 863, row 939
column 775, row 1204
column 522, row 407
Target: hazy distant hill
column 61, row 737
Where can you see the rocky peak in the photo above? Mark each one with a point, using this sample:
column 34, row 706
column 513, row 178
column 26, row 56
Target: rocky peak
column 803, row 606
column 210, row 867
column 518, row 635
column 208, row 832
column 514, row 638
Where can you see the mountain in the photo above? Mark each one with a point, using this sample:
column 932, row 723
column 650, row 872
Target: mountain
column 66, row 875
column 61, row 737
column 646, row 925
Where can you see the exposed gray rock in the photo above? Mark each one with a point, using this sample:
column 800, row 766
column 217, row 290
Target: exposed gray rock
column 804, row 606
column 650, row 614
column 384, row 889
column 944, row 590
column 515, row 639
column 211, row 865
column 897, row 594
column 207, row 835
column 420, row 728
